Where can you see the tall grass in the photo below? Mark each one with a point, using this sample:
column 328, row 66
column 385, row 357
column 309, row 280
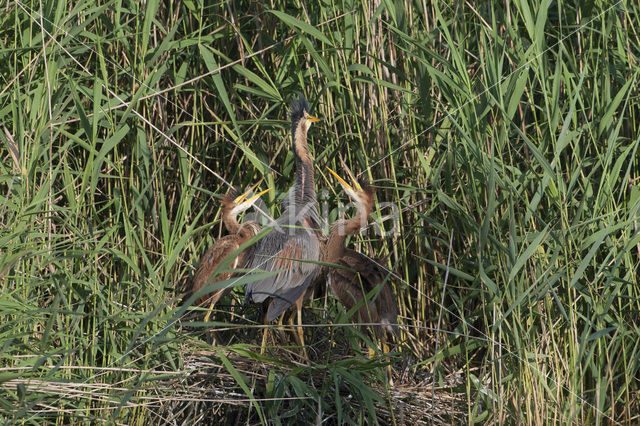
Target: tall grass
column 505, row 136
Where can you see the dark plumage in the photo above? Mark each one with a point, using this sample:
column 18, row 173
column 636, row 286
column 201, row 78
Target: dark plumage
column 294, row 239
column 352, row 284
column 232, row 204
column 296, row 112
column 359, row 274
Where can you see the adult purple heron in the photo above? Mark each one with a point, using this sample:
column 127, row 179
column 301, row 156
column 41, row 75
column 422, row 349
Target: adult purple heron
column 233, row 204
column 293, row 244
column 357, row 274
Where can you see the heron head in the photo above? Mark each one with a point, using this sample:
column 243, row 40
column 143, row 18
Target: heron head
column 360, row 192
column 299, row 113
column 238, row 202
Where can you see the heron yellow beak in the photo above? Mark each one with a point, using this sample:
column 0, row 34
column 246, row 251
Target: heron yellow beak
column 342, row 181
column 313, row 119
column 242, row 197
column 356, row 185
column 258, row 195
column 353, row 179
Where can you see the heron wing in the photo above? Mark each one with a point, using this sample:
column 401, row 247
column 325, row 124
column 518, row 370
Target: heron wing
column 373, row 274
column 290, row 253
column 349, row 287
column 220, row 250
column 286, row 298
column 346, row 287
column 370, row 272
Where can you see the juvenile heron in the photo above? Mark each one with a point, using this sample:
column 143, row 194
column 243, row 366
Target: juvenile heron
column 359, row 274
column 295, row 237
column 232, row 205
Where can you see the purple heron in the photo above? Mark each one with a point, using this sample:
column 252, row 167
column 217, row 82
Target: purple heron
column 232, row 205
column 359, row 275
column 294, row 239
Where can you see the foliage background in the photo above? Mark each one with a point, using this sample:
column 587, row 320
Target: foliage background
column 506, row 134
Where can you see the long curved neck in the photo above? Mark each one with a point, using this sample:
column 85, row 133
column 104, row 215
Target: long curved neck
column 304, row 188
column 341, row 228
column 230, row 220
column 300, row 147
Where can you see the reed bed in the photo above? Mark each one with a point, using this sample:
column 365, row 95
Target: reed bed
column 502, row 140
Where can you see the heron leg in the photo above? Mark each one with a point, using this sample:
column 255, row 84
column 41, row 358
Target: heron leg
column 385, row 350
column 371, row 352
column 263, row 345
column 208, row 314
column 214, row 299
column 299, row 303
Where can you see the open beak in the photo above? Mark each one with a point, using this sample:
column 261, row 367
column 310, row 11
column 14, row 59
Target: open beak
column 344, row 184
column 258, row 195
column 242, row 197
column 353, row 179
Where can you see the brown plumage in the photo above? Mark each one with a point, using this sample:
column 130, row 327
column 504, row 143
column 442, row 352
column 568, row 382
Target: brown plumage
column 294, row 244
column 294, row 239
column 232, row 205
column 358, row 275
column 351, row 285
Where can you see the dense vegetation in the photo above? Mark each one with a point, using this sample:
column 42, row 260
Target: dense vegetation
column 502, row 139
